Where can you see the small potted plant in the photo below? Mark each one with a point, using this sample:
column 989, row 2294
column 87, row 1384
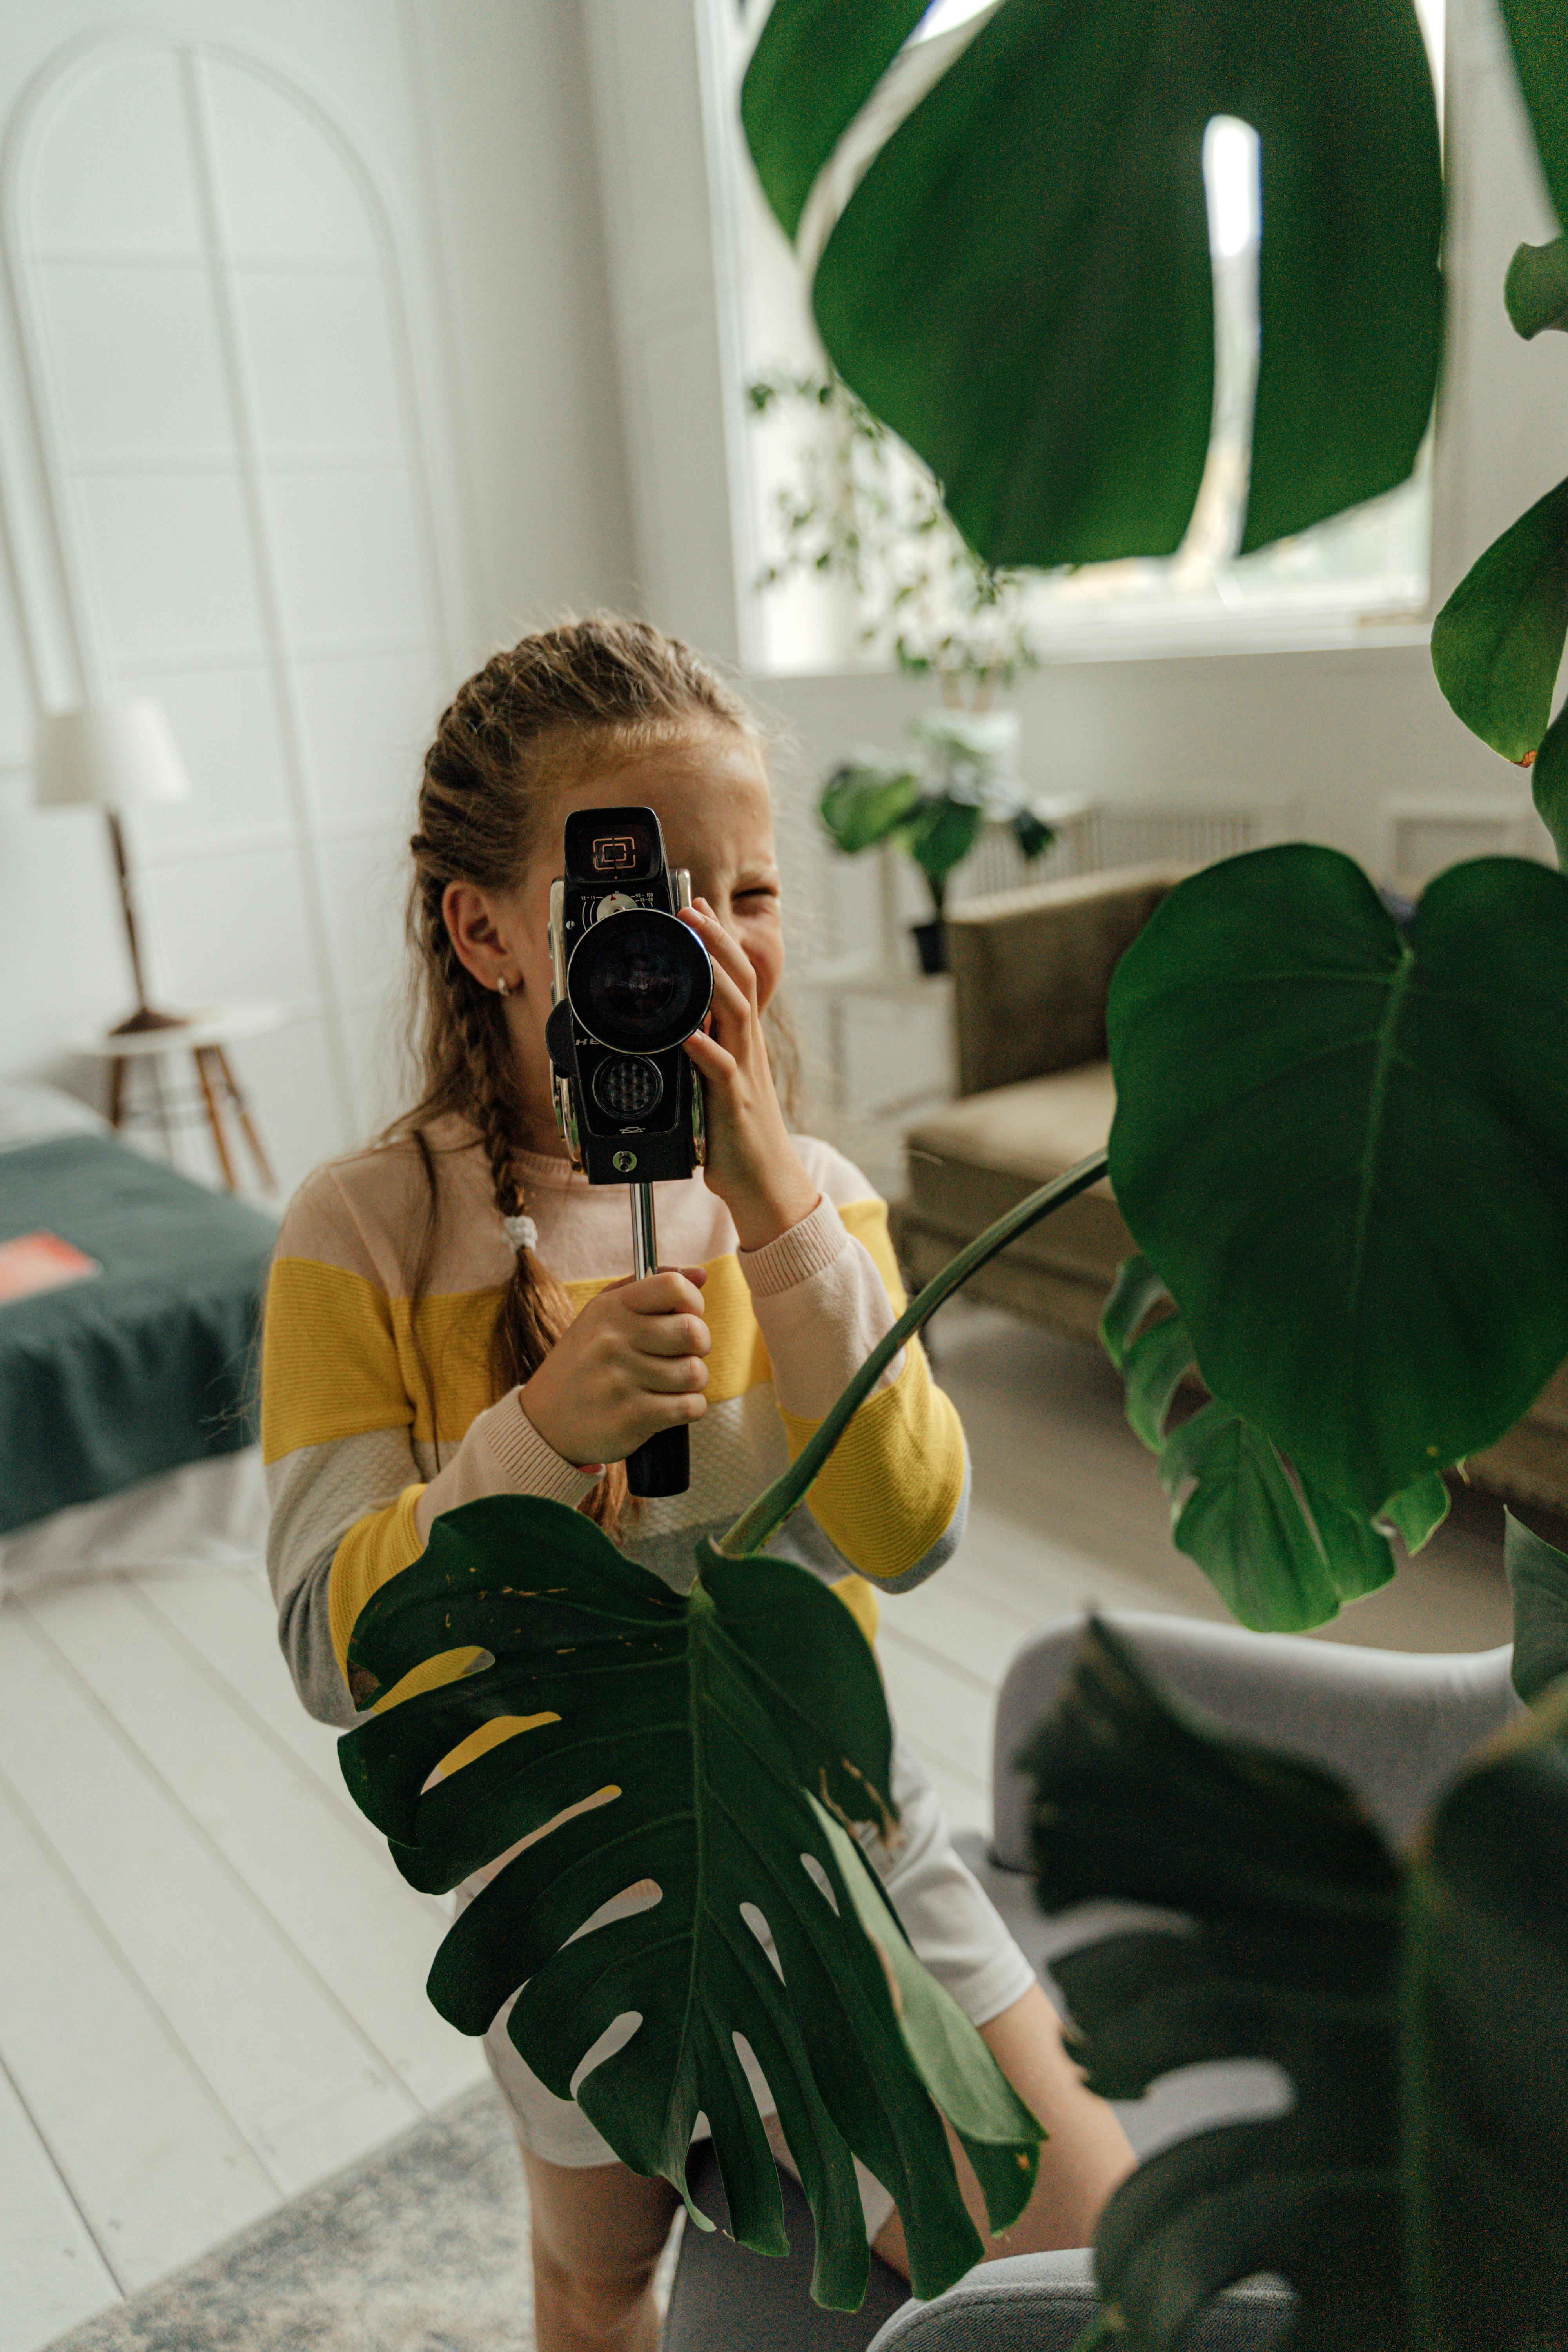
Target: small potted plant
column 934, row 807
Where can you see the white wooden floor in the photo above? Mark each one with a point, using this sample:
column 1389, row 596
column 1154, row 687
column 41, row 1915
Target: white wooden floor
column 210, row 1979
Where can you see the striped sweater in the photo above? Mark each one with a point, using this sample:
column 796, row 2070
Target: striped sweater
column 377, row 1415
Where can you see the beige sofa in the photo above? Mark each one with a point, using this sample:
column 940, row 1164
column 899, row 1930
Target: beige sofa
column 1031, row 974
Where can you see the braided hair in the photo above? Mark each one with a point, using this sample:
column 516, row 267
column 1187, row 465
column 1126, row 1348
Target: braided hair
column 532, row 721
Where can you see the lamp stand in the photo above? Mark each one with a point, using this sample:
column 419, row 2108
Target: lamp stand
column 144, row 1017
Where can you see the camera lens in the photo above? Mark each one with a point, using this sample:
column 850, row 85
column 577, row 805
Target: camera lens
column 628, row 1088
column 640, row 982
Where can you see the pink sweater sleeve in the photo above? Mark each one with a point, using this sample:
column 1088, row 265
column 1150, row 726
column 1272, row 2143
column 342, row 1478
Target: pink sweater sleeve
column 822, row 1305
column 502, row 1453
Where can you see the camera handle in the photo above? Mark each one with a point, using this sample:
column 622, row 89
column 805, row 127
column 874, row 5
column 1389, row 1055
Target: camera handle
column 661, row 1465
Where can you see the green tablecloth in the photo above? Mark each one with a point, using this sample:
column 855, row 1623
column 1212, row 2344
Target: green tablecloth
column 151, row 1363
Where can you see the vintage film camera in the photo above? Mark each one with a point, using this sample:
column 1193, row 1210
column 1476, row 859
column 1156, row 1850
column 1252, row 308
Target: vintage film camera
column 629, row 983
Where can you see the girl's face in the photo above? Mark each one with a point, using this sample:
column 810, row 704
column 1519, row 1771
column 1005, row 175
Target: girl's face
column 711, row 795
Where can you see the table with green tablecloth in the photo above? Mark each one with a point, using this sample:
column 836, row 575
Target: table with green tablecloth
column 151, row 1363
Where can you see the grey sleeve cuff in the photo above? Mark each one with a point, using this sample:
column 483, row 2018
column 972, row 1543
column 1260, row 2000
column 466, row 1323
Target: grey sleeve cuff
column 315, row 1494
column 306, row 1642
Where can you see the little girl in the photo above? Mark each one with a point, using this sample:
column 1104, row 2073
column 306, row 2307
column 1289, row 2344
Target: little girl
column 450, row 1315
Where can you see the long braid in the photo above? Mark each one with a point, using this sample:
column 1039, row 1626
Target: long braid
column 531, row 721
column 534, row 1307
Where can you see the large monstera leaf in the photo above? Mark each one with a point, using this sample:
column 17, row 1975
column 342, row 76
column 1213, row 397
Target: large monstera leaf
column 1414, row 2194
column 1486, row 2052
column 1288, row 1950
column 1354, row 1193
column 727, row 1735
column 1496, row 649
column 1496, row 644
column 1282, row 1556
column 1020, row 283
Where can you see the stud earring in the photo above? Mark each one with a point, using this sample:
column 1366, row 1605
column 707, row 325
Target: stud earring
column 501, row 988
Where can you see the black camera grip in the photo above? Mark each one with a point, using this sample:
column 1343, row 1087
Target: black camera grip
column 662, row 1464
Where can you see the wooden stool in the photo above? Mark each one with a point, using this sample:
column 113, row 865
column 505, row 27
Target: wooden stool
column 206, row 1037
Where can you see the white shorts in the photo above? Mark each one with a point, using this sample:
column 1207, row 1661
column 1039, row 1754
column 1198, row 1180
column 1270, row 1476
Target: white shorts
column 948, row 1920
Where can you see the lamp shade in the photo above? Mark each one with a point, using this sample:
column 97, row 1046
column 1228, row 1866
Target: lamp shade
column 117, row 755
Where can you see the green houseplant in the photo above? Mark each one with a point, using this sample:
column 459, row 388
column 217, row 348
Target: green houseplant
column 1413, row 2193
column 861, row 511
column 934, row 810
column 1343, row 1145
column 747, row 1721
column 1290, row 1059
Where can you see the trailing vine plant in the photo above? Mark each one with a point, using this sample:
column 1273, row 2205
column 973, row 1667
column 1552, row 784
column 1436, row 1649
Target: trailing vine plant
column 860, row 510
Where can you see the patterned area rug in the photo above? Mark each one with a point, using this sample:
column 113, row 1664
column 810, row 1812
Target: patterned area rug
column 423, row 2248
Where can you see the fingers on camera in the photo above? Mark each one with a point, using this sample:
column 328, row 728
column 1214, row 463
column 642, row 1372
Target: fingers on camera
column 671, row 1291
column 674, row 1375
column 675, row 1335
column 671, row 1412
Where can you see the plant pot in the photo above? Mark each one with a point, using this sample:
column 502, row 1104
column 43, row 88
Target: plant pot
column 931, row 944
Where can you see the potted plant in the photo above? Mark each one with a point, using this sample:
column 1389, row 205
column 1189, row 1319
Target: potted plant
column 860, row 510
column 1342, row 1143
column 964, row 777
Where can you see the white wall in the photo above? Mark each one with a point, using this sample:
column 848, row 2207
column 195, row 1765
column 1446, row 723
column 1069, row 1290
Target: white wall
column 281, row 878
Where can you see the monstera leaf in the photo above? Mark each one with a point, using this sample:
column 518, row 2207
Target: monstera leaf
column 1020, row 282
column 1535, row 291
column 1288, row 1950
column 727, row 1732
column 1413, row 2193
column 1282, row 1555
column 1496, row 644
column 1355, row 1193
column 1486, row 2029
column 1538, row 34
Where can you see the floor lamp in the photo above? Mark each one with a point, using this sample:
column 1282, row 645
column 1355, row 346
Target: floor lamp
column 114, row 756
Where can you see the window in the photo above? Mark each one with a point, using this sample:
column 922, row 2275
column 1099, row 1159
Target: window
column 1362, row 573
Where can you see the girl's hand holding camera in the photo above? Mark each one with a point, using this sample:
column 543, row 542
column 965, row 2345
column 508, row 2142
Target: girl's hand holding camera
column 628, row 1365
column 751, row 1165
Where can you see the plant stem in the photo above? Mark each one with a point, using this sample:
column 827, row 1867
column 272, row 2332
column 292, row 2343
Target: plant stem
column 769, row 1512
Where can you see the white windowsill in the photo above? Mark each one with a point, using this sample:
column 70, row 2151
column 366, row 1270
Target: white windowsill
column 1176, row 638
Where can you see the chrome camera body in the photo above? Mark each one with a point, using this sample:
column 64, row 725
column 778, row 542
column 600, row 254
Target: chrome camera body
column 629, row 983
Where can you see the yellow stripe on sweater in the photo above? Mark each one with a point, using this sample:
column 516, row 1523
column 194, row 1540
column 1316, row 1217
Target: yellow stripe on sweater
column 356, row 1358
column 894, row 1480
